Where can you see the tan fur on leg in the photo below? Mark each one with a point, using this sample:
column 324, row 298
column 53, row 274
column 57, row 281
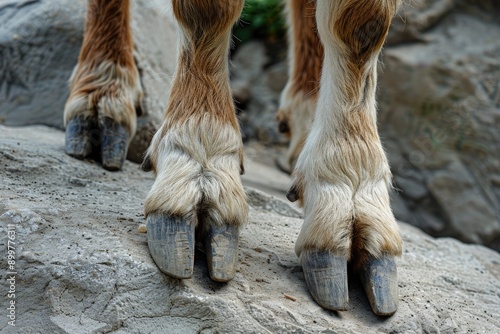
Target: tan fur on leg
column 108, row 90
column 198, row 152
column 106, row 83
column 376, row 232
column 298, row 99
column 343, row 170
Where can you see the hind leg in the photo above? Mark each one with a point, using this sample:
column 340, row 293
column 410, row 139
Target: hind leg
column 100, row 114
column 197, row 154
column 342, row 176
column 298, row 99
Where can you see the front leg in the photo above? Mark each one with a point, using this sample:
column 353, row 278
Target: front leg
column 197, row 154
column 342, row 176
column 100, row 114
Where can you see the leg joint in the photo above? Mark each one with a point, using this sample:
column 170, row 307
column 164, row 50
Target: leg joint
column 359, row 26
column 203, row 17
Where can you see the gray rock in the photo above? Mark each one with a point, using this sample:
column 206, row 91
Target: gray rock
column 258, row 119
column 248, row 62
column 37, row 58
column 400, row 208
column 156, row 58
column 464, row 206
column 261, row 201
column 438, row 107
column 413, row 189
column 83, row 267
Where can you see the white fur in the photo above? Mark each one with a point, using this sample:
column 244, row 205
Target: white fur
column 198, row 163
column 346, row 179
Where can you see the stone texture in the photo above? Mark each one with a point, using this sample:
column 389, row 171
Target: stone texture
column 83, row 267
column 439, row 112
column 263, row 88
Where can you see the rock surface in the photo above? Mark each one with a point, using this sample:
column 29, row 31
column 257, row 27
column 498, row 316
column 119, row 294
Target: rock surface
column 83, row 267
column 439, row 103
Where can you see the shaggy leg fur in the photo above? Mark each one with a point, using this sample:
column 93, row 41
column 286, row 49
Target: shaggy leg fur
column 298, row 100
column 100, row 113
column 197, row 154
column 342, row 176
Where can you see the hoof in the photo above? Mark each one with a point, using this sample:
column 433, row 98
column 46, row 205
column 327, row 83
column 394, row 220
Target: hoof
column 326, row 278
column 171, row 244
column 221, row 245
column 114, row 144
column 380, row 281
column 78, row 142
column 147, row 165
column 283, row 126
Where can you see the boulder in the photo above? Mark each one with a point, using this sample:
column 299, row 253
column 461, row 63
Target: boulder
column 82, row 265
column 439, row 110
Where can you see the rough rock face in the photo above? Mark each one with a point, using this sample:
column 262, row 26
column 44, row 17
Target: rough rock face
column 39, row 45
column 439, row 108
column 83, row 267
column 258, row 92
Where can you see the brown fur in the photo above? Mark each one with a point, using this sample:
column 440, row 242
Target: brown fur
column 202, row 69
column 342, row 173
column 108, row 36
column 308, row 50
column 197, row 154
column 105, row 83
column 362, row 26
column 343, row 178
column 299, row 98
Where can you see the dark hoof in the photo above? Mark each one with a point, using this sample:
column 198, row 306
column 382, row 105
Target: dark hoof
column 171, row 244
column 283, row 127
column 221, row 245
column 147, row 165
column 79, row 132
column 114, row 144
column 380, row 280
column 326, row 278
column 293, row 194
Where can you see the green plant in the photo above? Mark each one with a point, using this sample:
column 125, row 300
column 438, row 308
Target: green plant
column 261, row 19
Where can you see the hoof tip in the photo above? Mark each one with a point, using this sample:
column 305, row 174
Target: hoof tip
column 222, row 252
column 380, row 281
column 171, row 244
column 326, row 278
column 114, row 144
column 78, row 138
